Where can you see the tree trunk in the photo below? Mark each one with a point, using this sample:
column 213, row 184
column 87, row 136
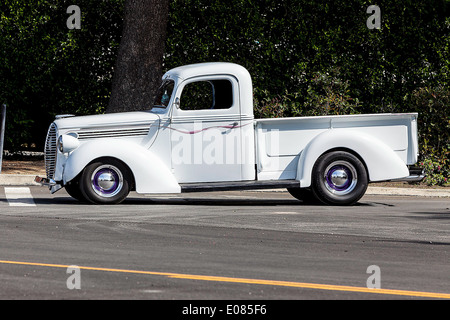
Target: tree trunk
column 138, row 69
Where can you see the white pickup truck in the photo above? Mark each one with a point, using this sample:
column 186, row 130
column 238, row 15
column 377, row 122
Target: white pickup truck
column 201, row 135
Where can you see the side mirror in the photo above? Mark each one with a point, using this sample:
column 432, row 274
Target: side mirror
column 177, row 103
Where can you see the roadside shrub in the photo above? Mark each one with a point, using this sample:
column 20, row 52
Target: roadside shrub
column 273, row 107
column 328, row 94
column 433, row 106
column 324, row 94
column 436, row 174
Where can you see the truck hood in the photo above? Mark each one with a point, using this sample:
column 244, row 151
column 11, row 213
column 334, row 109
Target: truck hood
column 110, row 120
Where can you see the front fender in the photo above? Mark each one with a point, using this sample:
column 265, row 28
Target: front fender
column 151, row 175
column 381, row 161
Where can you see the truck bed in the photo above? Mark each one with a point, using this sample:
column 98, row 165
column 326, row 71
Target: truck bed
column 280, row 141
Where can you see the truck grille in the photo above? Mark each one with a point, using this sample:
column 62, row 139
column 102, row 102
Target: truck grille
column 50, row 151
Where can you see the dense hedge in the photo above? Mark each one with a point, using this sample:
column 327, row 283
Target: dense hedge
column 306, row 58
column 47, row 69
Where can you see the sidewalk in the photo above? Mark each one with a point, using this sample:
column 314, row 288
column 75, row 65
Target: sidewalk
column 419, row 192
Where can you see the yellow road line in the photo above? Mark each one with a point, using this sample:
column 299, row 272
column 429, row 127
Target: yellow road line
column 249, row 281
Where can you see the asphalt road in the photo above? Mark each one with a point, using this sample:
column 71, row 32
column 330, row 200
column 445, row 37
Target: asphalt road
column 222, row 246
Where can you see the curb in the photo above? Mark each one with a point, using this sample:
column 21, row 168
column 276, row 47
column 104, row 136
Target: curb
column 28, row 180
column 388, row 191
column 408, row 192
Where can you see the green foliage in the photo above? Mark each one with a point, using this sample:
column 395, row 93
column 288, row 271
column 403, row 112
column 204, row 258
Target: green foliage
column 285, row 44
column 436, row 174
column 328, row 94
column 274, row 107
column 434, row 136
column 47, row 69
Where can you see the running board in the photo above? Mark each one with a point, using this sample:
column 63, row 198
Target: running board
column 238, row 185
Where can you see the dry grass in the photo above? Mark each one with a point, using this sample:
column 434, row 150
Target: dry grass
column 23, row 167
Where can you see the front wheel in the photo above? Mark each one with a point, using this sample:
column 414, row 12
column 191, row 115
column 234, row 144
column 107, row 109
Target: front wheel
column 73, row 189
column 105, row 182
column 339, row 178
column 303, row 194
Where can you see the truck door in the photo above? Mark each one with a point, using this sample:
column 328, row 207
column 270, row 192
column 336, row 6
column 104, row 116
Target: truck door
column 206, row 130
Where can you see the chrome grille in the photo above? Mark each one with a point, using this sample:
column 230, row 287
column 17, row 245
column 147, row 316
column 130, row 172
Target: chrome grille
column 50, row 151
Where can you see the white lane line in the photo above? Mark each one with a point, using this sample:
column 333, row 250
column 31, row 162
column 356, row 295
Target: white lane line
column 19, row 197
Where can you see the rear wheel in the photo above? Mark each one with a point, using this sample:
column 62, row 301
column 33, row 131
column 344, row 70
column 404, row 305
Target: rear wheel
column 106, row 181
column 339, row 178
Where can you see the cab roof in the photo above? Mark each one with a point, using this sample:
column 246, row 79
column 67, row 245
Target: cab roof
column 208, row 68
column 241, row 74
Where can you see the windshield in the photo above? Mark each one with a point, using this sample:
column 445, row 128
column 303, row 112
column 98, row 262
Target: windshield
column 164, row 93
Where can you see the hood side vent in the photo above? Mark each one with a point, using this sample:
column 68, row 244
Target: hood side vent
column 113, row 132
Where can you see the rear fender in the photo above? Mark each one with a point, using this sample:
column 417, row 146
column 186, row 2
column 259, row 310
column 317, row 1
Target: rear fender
column 380, row 160
column 151, row 175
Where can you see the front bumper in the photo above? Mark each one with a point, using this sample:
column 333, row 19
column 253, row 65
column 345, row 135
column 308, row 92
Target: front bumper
column 50, row 183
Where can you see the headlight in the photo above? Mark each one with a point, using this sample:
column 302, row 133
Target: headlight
column 67, row 143
column 60, row 144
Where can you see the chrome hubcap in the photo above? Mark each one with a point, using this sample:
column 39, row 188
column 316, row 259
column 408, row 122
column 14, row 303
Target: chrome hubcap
column 340, row 177
column 107, row 181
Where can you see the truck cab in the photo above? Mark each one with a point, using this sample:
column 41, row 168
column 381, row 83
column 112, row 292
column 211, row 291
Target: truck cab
column 211, row 122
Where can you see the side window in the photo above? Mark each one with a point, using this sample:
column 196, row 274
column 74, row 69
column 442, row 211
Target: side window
column 163, row 95
column 197, row 96
column 211, row 94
